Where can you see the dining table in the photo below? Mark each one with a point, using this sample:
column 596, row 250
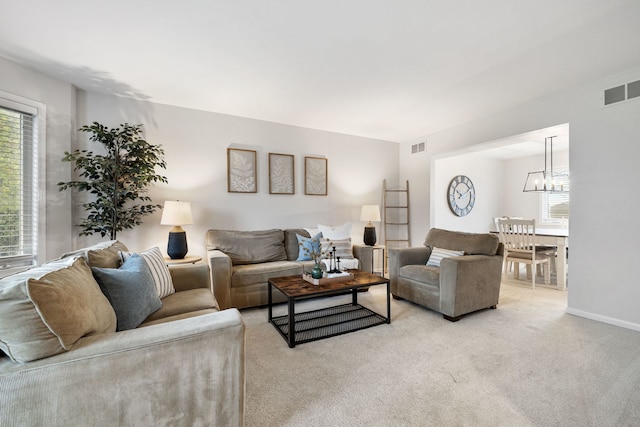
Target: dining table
column 558, row 237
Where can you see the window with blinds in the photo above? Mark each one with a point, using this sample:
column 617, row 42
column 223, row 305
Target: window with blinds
column 556, row 205
column 18, row 188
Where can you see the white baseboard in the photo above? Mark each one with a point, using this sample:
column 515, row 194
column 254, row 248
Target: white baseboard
column 604, row 319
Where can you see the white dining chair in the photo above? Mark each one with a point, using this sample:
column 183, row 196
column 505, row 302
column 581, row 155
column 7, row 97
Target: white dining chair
column 518, row 237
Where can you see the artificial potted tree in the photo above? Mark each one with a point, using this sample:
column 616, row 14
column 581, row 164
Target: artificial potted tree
column 117, row 179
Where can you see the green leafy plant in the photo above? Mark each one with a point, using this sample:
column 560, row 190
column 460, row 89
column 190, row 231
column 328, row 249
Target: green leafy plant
column 118, row 179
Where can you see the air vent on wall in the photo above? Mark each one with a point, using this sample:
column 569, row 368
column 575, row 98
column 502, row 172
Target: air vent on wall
column 416, row 148
column 622, row 92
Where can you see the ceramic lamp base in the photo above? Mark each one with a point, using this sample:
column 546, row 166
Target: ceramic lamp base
column 177, row 245
column 369, row 236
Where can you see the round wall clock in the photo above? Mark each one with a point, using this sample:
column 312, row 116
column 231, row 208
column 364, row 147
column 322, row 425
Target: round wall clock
column 461, row 195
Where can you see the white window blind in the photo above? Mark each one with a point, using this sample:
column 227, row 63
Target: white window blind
column 557, row 204
column 18, row 186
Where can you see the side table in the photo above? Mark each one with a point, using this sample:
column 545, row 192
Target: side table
column 189, row 259
column 369, row 252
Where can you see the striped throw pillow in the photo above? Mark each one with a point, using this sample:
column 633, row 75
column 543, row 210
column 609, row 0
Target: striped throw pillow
column 159, row 270
column 437, row 254
column 343, row 247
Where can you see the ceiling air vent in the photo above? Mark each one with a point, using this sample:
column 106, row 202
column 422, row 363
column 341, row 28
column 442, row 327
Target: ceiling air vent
column 622, row 93
column 416, row 148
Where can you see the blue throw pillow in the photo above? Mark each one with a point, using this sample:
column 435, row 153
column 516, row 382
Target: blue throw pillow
column 131, row 291
column 307, row 246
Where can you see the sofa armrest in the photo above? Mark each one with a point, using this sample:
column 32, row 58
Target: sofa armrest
column 190, row 276
column 186, row 372
column 399, row 257
column 364, row 254
column 220, row 267
column 469, row 283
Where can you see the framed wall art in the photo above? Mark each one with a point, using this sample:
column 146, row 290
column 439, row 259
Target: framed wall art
column 241, row 171
column 281, row 174
column 315, row 176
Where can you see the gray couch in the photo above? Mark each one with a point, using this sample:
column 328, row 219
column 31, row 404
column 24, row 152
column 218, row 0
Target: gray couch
column 461, row 284
column 183, row 366
column 242, row 262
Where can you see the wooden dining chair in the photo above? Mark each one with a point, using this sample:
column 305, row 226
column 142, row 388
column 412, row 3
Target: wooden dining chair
column 518, row 237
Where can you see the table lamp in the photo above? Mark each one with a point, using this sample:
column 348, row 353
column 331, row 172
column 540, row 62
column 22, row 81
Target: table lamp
column 176, row 213
column 370, row 213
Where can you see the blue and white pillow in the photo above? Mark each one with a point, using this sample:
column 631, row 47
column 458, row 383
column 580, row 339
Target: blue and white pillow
column 159, row 270
column 438, row 254
column 307, row 246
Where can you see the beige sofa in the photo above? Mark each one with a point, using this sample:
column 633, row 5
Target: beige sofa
column 459, row 284
column 183, row 366
column 242, row 262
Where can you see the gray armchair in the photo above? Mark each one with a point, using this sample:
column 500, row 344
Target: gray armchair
column 460, row 284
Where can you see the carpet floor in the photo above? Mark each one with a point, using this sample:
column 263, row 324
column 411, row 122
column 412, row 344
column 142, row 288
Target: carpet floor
column 528, row 363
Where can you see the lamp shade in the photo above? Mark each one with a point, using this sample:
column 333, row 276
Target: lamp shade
column 370, row 213
column 176, row 213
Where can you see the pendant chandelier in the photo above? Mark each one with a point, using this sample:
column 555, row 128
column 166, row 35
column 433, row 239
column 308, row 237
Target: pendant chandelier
column 547, row 180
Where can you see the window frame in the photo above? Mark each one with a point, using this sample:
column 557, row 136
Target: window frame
column 39, row 112
column 545, row 219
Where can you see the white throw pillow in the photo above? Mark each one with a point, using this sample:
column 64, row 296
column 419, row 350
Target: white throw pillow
column 339, row 232
column 159, row 270
column 343, row 247
column 437, row 254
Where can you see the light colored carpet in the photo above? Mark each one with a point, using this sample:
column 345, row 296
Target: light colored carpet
column 526, row 363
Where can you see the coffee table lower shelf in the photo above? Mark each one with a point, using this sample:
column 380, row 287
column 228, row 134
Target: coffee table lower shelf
column 328, row 322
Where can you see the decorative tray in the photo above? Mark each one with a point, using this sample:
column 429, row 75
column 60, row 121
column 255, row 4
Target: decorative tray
column 331, row 278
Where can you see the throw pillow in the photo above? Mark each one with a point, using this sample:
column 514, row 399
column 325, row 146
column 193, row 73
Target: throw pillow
column 103, row 254
column 343, row 247
column 339, row 232
column 47, row 309
column 158, row 268
column 131, row 291
column 438, row 254
column 308, row 246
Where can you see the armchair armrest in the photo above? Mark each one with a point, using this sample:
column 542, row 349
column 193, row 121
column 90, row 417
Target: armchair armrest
column 220, row 266
column 469, row 283
column 185, row 372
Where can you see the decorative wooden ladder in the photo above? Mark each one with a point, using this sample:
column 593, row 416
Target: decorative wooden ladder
column 395, row 210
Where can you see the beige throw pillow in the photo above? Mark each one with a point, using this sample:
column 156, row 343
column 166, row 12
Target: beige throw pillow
column 46, row 310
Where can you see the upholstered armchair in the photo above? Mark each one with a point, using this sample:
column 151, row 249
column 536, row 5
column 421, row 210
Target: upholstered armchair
column 454, row 273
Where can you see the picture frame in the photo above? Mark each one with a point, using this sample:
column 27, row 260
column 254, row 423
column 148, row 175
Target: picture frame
column 241, row 171
column 315, row 176
column 281, row 174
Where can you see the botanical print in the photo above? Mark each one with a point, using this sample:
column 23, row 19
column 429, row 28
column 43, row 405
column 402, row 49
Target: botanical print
column 281, row 178
column 241, row 171
column 315, row 176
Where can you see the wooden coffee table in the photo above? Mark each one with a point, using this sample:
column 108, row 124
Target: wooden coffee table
column 325, row 322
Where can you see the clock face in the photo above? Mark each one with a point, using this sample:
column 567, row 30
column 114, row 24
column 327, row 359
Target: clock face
column 461, row 195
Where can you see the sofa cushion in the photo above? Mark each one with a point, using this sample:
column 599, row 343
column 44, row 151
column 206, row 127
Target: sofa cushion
column 131, row 291
column 247, row 275
column 470, row 243
column 248, row 247
column 158, row 268
column 184, row 302
column 104, row 254
column 291, row 241
column 47, row 309
column 421, row 273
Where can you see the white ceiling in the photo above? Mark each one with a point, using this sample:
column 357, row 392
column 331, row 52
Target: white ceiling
column 393, row 70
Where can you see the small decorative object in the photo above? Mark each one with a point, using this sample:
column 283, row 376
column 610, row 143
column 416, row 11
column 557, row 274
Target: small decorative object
column 177, row 213
column 370, row 213
column 116, row 178
column 315, row 176
column 316, row 272
column 333, row 267
column 461, row 195
column 281, row 176
column 329, row 278
column 241, row 171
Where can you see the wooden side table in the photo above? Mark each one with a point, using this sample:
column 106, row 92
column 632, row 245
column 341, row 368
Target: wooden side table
column 189, row 259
